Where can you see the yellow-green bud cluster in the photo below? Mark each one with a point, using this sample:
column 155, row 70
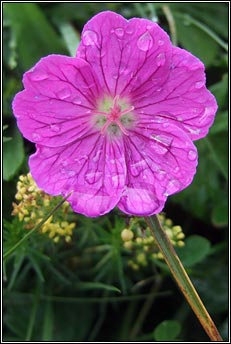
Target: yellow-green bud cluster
column 140, row 244
column 33, row 204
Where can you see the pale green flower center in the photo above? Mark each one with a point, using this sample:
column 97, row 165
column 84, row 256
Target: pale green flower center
column 114, row 116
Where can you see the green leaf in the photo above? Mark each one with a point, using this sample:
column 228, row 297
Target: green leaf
column 18, row 261
column 71, row 37
column 48, row 323
column 219, row 146
column 168, row 330
column 34, row 35
column 37, row 268
column 215, row 15
column 220, row 214
column 96, row 285
column 200, row 43
column 6, row 139
column 207, row 188
column 220, row 91
column 195, row 250
column 13, row 155
column 221, row 123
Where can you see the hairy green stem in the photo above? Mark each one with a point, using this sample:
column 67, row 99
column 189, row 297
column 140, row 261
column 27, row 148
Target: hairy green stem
column 182, row 279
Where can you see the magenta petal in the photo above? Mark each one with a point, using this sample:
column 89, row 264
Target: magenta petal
column 92, row 168
column 125, row 54
column 183, row 99
column 161, row 161
column 55, row 107
column 114, row 125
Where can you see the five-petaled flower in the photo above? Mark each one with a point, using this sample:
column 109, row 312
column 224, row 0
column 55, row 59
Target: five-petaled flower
column 115, row 124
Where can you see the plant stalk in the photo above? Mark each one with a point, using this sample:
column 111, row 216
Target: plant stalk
column 182, row 279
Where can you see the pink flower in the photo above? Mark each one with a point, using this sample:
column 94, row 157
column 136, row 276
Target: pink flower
column 115, row 124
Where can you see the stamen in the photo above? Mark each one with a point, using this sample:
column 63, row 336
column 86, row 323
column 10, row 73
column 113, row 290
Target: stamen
column 106, row 125
column 127, row 110
column 120, row 125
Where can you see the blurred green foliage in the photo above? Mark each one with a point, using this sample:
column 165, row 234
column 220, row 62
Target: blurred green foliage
column 85, row 291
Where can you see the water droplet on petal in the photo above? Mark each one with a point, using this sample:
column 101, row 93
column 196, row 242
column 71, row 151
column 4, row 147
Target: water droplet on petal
column 162, row 139
column 145, row 41
column 129, row 30
column 115, row 76
column 159, row 149
column 161, row 42
column 160, row 174
column 36, row 137
column 97, row 156
column 90, row 37
column 206, row 115
column 63, row 170
column 81, row 160
column 119, row 31
column 133, row 76
column 199, row 84
column 64, row 163
column 38, row 75
column 71, row 173
column 157, row 119
column 192, row 155
column 93, row 177
column 193, row 66
column 176, row 169
column 196, row 110
column 172, row 187
column 64, row 93
column 55, row 127
column 194, row 131
column 160, row 59
column 77, row 101
column 138, row 167
column 115, row 180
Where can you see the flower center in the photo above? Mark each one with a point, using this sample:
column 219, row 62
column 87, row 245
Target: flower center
column 116, row 118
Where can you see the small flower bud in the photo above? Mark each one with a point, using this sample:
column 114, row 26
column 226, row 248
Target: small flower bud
column 128, row 245
column 180, row 243
column 176, row 229
column 168, row 222
column 127, row 235
column 56, row 239
column 139, row 240
column 180, row 235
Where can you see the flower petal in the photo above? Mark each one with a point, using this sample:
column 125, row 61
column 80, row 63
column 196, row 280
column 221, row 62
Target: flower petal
column 183, row 99
column 92, row 168
column 125, row 54
column 160, row 161
column 54, row 109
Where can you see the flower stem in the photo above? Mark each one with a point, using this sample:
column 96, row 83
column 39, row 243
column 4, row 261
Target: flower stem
column 171, row 23
column 181, row 278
